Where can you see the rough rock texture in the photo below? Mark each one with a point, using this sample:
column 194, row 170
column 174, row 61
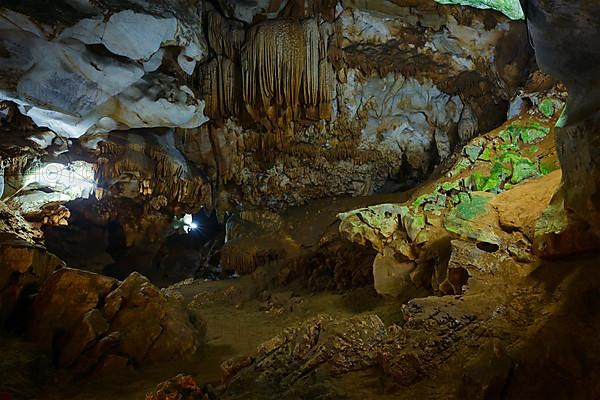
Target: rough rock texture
column 481, row 342
column 297, row 246
column 301, row 351
column 564, row 53
column 180, row 387
column 24, row 267
column 389, row 91
column 90, row 320
column 395, row 113
column 436, row 339
column 14, row 227
column 521, row 208
column 482, row 198
column 98, row 67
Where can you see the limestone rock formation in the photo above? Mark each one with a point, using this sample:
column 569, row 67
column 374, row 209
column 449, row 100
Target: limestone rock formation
column 24, row 267
column 89, row 319
column 483, row 198
column 318, row 344
column 383, row 177
column 49, row 54
column 388, row 92
column 562, row 54
column 180, row 387
column 323, row 356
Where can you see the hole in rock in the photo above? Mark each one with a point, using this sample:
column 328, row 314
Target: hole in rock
column 488, row 247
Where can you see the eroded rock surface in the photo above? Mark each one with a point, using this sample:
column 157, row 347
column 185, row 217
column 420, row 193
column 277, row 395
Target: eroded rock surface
column 24, row 267
column 91, row 320
column 389, row 92
column 489, row 196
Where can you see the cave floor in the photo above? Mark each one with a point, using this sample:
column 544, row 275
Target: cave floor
column 236, row 325
column 555, row 312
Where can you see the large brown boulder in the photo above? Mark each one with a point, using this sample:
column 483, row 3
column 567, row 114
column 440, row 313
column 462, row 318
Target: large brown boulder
column 92, row 321
column 152, row 325
column 64, row 299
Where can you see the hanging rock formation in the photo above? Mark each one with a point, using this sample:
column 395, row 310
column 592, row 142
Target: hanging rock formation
column 303, row 99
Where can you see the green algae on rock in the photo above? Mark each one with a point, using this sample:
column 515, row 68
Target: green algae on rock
column 463, row 219
column 546, row 107
column 511, row 8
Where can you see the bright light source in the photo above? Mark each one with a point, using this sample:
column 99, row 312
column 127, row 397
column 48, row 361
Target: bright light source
column 193, row 226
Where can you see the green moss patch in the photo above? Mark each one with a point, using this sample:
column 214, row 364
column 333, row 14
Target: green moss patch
column 547, row 108
column 511, row 8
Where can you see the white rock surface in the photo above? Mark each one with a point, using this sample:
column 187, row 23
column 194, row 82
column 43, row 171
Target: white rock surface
column 61, row 84
column 404, row 116
column 246, row 10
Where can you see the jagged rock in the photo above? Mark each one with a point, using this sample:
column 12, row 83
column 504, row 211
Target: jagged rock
column 389, row 91
column 14, row 226
column 181, row 387
column 91, row 319
column 374, row 225
column 64, row 299
column 521, row 207
column 152, row 326
column 321, row 343
column 87, row 331
column 112, row 90
column 558, row 54
column 24, row 267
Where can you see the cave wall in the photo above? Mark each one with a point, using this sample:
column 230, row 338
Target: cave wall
column 235, row 105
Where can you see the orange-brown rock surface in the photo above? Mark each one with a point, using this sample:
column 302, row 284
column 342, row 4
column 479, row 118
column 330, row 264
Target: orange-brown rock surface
column 88, row 318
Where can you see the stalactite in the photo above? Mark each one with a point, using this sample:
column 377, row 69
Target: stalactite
column 281, row 73
column 158, row 173
column 285, row 69
column 310, row 8
column 221, row 88
column 225, row 37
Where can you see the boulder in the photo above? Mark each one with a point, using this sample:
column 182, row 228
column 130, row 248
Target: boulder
column 392, row 277
column 521, row 207
column 87, row 331
column 180, row 387
column 318, row 344
column 152, row 325
column 93, row 321
column 64, row 299
column 23, row 269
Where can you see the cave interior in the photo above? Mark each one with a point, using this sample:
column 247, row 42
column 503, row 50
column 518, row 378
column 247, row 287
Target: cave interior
column 299, row 199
